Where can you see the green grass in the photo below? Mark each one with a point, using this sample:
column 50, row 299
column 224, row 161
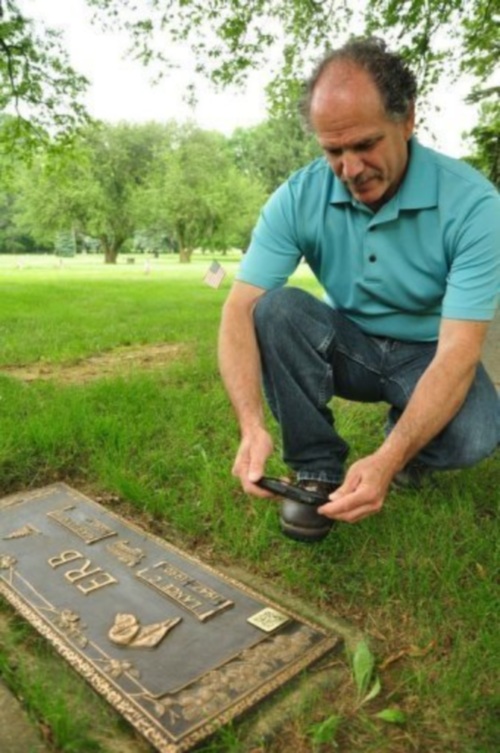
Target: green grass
column 419, row 579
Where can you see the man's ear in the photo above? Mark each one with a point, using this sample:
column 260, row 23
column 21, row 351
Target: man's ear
column 409, row 123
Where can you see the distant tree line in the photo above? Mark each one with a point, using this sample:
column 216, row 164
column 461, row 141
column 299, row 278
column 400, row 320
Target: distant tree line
column 149, row 188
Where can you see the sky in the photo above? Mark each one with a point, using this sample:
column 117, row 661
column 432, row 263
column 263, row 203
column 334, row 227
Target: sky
column 122, row 89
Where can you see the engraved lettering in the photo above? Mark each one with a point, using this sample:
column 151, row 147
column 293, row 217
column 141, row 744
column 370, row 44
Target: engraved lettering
column 84, row 572
column 173, row 572
column 64, row 557
column 206, row 592
column 186, row 591
column 87, row 570
column 105, row 579
column 181, row 597
column 87, row 529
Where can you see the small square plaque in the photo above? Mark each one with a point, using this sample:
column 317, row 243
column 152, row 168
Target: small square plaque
column 268, row 619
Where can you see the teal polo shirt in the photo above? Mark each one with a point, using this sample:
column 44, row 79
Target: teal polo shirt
column 432, row 251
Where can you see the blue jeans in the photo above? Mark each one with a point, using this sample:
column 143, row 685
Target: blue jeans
column 310, row 353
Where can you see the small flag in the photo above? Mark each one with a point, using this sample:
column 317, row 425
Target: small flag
column 215, row 275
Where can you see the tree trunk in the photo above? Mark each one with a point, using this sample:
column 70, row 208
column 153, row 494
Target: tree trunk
column 110, row 255
column 111, row 249
column 183, row 241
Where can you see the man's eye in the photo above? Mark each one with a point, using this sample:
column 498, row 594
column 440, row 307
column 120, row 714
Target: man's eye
column 365, row 146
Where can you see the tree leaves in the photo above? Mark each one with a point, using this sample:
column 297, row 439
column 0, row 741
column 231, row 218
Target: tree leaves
column 486, row 139
column 37, row 84
column 228, row 38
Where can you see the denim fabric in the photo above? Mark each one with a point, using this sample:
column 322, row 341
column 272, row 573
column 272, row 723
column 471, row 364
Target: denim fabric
column 311, row 352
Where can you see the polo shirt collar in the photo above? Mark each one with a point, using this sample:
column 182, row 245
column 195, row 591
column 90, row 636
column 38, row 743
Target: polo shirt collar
column 340, row 194
column 417, row 191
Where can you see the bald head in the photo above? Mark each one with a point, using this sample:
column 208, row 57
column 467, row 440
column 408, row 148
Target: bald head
column 344, row 90
column 394, row 81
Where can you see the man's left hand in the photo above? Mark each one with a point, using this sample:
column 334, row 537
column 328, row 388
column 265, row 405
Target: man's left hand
column 363, row 492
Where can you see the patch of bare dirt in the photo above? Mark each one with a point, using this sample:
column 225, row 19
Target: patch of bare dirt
column 113, row 363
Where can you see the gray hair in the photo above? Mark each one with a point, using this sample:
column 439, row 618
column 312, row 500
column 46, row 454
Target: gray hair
column 394, row 80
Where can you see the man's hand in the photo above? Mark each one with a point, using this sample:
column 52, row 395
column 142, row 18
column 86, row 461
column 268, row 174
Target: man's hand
column 249, row 465
column 363, row 492
column 239, row 363
column 438, row 396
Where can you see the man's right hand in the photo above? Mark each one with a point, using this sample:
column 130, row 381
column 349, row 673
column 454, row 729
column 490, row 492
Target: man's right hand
column 253, row 452
column 239, row 363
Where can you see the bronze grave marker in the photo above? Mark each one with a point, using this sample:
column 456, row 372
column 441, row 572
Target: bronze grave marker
column 176, row 647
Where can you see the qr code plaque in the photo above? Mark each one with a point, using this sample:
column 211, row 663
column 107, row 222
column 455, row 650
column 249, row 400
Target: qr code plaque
column 268, row 619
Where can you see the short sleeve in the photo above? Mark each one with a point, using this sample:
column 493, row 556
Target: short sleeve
column 274, row 251
column 474, row 280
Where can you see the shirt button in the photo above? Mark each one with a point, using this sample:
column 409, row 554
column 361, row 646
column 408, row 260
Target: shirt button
column 372, row 258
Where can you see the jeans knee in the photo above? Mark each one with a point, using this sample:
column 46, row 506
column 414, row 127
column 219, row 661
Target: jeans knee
column 468, row 445
column 471, row 454
column 480, row 438
column 277, row 308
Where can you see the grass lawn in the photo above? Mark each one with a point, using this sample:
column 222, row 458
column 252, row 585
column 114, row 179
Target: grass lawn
column 155, row 438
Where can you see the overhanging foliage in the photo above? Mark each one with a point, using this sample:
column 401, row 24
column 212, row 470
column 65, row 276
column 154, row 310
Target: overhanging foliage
column 37, row 84
column 229, row 37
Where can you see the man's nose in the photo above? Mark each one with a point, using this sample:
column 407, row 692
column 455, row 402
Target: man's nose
column 352, row 166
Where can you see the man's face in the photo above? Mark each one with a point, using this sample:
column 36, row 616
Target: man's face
column 365, row 148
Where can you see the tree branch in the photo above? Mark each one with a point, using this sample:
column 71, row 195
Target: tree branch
column 10, row 69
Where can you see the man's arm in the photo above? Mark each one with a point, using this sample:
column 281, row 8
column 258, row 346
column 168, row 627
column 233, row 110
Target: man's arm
column 437, row 398
column 239, row 363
